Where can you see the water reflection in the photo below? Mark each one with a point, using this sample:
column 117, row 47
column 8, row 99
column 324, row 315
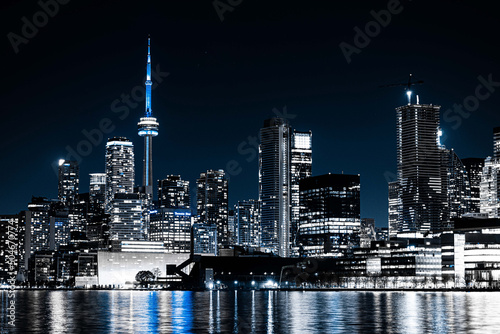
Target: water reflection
column 254, row 312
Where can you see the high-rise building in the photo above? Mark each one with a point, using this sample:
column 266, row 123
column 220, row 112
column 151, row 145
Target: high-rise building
column 474, row 168
column 39, row 232
column 490, row 188
column 496, row 143
column 212, row 204
column 394, row 209
column 173, row 227
column 97, row 193
column 422, row 190
column 330, row 219
column 274, row 186
column 246, row 222
column 490, row 180
column 173, row 192
column 148, row 128
column 69, row 179
column 119, row 168
column 126, row 217
column 457, row 185
column 285, row 157
column 300, row 168
column 171, row 222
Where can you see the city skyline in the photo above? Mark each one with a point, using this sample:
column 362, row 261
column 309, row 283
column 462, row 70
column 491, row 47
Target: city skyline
column 195, row 116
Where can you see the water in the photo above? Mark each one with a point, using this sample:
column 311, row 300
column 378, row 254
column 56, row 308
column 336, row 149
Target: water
column 253, row 312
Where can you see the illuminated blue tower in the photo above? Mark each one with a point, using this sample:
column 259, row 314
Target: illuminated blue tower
column 148, row 128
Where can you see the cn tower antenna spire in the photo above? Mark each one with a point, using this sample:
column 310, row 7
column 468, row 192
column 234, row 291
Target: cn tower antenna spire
column 149, row 111
column 148, row 128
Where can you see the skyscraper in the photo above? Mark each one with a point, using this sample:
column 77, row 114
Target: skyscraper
column 246, row 220
column 422, row 190
column 148, row 128
column 496, row 143
column 173, row 192
column 285, row 157
column 300, row 168
column 69, row 179
column 97, row 193
column 274, row 186
column 126, row 217
column 330, row 219
column 119, row 168
column 458, row 186
column 474, row 168
column 171, row 222
column 212, row 204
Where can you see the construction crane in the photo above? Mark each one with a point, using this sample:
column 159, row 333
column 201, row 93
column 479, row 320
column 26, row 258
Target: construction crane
column 408, row 86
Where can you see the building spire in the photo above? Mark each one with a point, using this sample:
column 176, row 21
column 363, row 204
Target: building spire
column 148, row 81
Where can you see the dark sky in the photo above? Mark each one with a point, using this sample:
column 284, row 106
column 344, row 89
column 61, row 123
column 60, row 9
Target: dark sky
column 226, row 77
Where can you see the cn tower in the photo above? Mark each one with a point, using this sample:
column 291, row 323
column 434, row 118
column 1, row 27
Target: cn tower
column 148, row 128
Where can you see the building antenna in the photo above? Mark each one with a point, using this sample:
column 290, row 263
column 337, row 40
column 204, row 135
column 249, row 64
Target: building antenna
column 407, row 86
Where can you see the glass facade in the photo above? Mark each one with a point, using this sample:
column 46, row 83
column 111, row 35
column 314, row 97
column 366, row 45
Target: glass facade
column 246, row 216
column 421, row 172
column 330, row 217
column 274, row 186
column 126, row 218
column 212, row 204
column 173, row 227
column 474, row 168
column 119, row 168
column 69, row 179
column 173, row 192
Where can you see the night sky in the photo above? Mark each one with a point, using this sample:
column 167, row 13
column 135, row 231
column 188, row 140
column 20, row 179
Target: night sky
column 226, row 77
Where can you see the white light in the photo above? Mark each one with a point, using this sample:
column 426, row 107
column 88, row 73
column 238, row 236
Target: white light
column 210, row 286
column 253, row 282
column 61, row 161
column 235, row 282
column 269, row 283
column 408, row 93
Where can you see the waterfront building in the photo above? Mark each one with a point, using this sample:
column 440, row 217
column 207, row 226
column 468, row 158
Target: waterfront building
column 330, row 219
column 246, row 218
column 172, row 226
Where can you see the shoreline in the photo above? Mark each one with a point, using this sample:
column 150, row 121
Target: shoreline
column 284, row 289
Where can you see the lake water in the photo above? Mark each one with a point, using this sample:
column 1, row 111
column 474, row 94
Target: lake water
column 253, row 312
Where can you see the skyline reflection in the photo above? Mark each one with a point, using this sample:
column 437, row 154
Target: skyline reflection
column 256, row 312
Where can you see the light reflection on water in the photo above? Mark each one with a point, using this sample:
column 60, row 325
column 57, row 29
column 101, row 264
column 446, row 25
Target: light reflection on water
column 253, row 312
